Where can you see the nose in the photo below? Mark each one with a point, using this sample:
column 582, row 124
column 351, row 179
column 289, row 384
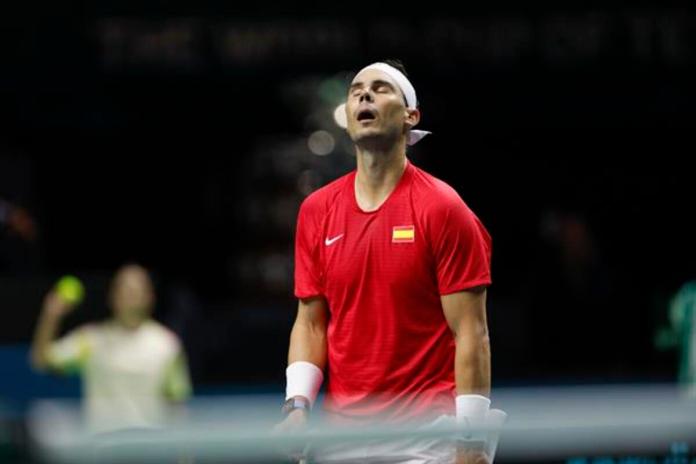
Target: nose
column 366, row 96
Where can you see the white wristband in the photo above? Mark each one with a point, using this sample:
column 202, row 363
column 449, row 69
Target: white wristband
column 303, row 379
column 472, row 411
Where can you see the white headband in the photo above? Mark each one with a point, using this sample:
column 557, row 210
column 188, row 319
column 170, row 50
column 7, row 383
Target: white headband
column 407, row 89
column 401, row 80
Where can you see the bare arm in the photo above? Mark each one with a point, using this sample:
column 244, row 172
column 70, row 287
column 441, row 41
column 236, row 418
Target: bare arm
column 308, row 336
column 466, row 316
column 307, row 343
column 52, row 312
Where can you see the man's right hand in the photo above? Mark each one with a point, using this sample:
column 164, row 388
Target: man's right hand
column 295, row 421
column 52, row 312
column 55, row 306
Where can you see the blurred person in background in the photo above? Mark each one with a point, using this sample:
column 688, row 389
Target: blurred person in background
column 20, row 215
column 134, row 369
column 18, row 238
column 571, row 271
column 17, row 221
column 391, row 271
column 681, row 334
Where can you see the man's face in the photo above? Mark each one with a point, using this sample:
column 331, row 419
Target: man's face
column 132, row 296
column 375, row 108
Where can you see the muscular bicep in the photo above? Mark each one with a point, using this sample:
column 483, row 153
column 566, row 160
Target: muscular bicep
column 465, row 311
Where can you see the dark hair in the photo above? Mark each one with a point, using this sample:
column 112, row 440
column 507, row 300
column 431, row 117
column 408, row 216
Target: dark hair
column 394, row 63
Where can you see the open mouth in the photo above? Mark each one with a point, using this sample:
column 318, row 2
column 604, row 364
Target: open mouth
column 366, row 115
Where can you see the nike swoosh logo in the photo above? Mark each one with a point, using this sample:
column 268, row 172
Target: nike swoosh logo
column 330, row 241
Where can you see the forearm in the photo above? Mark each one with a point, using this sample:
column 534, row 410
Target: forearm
column 307, row 352
column 472, row 363
column 466, row 315
column 308, row 343
column 45, row 334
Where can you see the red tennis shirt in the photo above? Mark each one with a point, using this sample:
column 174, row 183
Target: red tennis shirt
column 390, row 350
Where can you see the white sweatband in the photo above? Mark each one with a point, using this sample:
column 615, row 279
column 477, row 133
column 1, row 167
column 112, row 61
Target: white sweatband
column 472, row 411
column 407, row 89
column 303, row 379
column 494, row 421
column 400, row 79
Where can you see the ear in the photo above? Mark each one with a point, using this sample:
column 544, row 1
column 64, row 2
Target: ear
column 412, row 117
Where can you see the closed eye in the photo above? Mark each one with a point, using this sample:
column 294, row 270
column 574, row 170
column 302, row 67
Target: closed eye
column 354, row 89
column 382, row 86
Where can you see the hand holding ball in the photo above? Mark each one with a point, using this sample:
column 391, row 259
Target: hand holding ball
column 66, row 294
column 70, row 290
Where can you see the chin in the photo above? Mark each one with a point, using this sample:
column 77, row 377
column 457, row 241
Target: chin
column 367, row 135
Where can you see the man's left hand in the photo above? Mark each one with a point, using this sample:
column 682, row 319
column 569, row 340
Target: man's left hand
column 469, row 456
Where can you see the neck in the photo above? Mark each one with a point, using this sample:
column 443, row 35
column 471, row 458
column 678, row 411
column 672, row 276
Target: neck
column 379, row 171
column 129, row 324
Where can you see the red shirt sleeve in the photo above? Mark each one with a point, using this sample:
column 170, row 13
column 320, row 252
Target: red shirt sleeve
column 461, row 245
column 307, row 269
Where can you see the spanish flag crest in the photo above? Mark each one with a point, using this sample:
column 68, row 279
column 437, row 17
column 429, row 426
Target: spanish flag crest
column 403, row 234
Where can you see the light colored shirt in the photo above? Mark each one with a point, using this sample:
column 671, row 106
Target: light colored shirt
column 130, row 376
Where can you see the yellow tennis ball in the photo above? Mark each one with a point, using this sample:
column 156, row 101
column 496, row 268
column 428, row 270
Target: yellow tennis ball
column 70, row 289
